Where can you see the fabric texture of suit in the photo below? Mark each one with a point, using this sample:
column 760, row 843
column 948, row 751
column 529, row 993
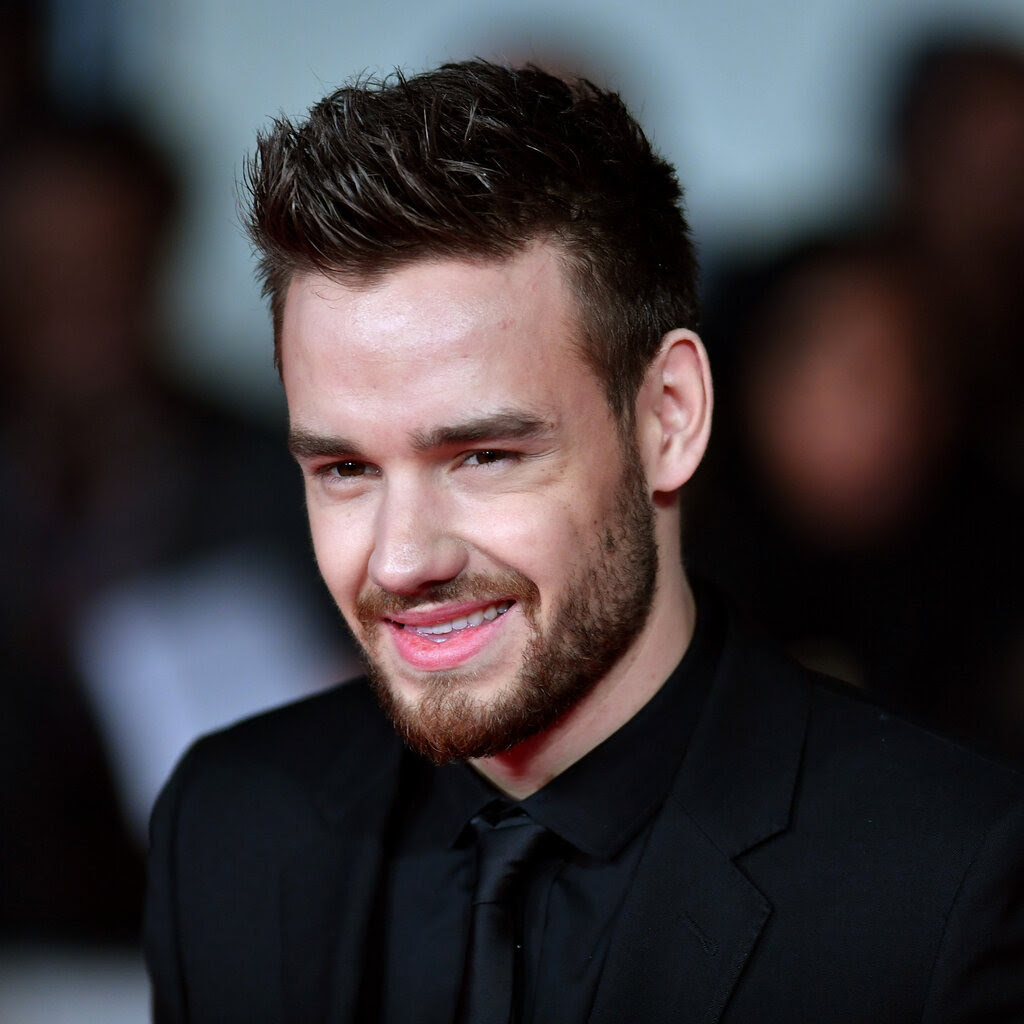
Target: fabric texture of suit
column 817, row 860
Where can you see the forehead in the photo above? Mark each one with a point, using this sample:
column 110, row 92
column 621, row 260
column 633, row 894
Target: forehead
column 434, row 293
column 434, row 333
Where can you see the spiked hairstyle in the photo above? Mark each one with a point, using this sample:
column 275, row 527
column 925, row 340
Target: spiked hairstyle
column 475, row 161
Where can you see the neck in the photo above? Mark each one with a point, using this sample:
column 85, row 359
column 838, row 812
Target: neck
column 616, row 698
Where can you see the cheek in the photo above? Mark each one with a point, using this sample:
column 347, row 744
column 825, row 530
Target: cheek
column 543, row 540
column 341, row 555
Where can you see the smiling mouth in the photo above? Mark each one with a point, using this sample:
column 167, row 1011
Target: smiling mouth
column 438, row 632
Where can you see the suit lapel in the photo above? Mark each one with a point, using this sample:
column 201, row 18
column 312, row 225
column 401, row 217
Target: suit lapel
column 692, row 918
column 680, row 942
column 328, row 889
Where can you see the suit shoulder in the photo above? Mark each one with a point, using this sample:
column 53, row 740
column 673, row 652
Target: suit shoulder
column 858, row 747
column 301, row 740
column 878, row 751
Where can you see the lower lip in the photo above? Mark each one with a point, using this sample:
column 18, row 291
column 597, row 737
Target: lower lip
column 457, row 647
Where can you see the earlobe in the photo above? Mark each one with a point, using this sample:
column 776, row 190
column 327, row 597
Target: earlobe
column 676, row 402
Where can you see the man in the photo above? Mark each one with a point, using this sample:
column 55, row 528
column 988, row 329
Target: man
column 484, row 298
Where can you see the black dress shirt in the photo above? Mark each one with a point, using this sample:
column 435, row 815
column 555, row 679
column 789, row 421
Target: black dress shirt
column 600, row 811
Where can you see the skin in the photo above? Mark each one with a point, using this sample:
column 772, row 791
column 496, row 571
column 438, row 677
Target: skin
column 448, row 430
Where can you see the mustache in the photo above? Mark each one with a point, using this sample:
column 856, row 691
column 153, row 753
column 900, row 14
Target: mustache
column 375, row 603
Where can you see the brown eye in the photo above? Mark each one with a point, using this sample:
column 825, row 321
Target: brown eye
column 486, row 457
column 347, row 468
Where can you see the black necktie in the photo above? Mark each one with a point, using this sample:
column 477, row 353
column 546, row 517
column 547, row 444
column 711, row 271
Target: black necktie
column 503, row 849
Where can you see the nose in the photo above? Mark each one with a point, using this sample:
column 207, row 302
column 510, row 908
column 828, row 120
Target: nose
column 415, row 546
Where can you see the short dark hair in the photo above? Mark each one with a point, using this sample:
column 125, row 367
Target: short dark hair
column 478, row 160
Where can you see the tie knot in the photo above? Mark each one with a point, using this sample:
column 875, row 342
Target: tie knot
column 503, row 850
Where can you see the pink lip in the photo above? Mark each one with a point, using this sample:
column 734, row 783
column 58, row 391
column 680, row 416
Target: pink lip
column 457, row 647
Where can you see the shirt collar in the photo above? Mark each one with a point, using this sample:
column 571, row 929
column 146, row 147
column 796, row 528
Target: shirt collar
column 603, row 800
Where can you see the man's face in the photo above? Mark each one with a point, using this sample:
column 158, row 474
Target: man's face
column 475, row 516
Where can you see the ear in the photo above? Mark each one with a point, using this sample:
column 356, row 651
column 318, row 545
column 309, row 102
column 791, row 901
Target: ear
column 674, row 411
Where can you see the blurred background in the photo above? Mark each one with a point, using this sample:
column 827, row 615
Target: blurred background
column 855, row 180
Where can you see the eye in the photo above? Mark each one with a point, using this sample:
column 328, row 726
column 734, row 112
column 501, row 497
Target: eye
column 347, row 468
column 487, row 457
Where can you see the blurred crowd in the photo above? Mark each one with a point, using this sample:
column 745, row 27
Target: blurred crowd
column 863, row 498
column 156, row 574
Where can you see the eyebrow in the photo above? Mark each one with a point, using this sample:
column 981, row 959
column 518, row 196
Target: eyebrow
column 507, row 425
column 305, row 444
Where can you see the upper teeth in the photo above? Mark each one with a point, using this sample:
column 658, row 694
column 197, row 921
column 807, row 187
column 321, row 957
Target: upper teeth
column 489, row 613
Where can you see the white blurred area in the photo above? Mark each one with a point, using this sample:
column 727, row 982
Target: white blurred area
column 72, row 986
column 168, row 658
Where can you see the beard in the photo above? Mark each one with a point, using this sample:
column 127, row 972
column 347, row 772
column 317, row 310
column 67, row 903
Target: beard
column 603, row 608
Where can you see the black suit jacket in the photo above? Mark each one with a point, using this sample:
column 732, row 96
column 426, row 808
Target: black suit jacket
column 818, row 860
